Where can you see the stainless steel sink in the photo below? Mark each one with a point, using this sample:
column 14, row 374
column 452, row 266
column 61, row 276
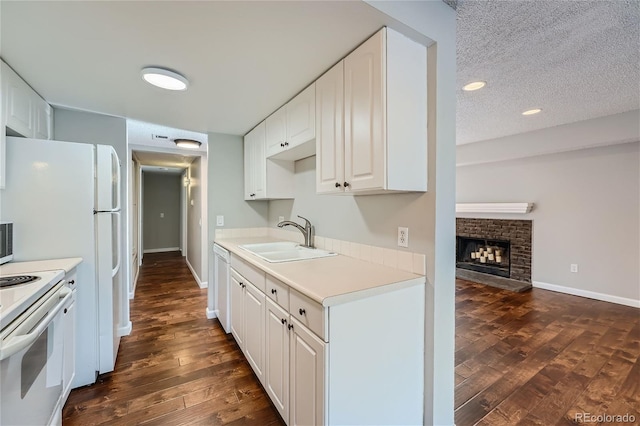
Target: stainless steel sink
column 285, row 251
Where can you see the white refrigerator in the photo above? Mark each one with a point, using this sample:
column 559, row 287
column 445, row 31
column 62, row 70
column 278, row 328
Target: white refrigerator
column 64, row 201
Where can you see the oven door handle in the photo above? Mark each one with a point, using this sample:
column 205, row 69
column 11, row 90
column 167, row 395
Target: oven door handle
column 15, row 344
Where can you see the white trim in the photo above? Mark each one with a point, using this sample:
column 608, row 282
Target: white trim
column 161, row 250
column 518, row 208
column 195, row 276
column 132, row 293
column 126, row 330
column 589, row 294
column 211, row 314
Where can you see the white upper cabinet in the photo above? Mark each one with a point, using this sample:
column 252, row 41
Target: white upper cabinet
column 291, row 130
column 301, row 119
column 330, row 130
column 385, row 119
column 26, row 113
column 276, row 132
column 22, row 111
column 264, row 178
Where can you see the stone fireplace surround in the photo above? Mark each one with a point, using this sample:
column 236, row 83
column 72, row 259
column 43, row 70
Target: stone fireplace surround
column 517, row 232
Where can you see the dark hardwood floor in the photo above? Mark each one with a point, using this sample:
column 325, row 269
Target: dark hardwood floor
column 543, row 358
column 176, row 367
column 521, row 358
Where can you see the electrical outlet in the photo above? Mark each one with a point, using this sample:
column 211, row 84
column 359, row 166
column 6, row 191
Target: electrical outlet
column 219, row 220
column 574, row 267
column 280, row 219
column 403, row 236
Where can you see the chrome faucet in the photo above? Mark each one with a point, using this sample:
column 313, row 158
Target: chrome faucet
column 307, row 231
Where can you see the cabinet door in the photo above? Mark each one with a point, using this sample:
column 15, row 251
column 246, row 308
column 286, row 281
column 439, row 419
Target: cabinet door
column 69, row 348
column 301, row 117
column 255, row 164
column 307, row 377
column 276, row 132
column 364, row 115
column 254, row 317
column 329, row 131
column 236, row 305
column 42, row 118
column 277, row 358
column 19, row 103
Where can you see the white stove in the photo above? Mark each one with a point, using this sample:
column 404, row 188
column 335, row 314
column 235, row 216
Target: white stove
column 16, row 299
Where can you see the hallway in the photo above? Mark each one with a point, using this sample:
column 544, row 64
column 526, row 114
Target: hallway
column 176, row 367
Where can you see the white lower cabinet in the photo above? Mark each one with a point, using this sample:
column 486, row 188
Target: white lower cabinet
column 358, row 361
column 237, row 307
column 307, row 384
column 277, row 358
column 254, row 318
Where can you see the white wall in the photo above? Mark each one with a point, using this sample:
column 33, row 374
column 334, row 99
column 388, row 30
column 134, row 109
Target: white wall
column 587, row 212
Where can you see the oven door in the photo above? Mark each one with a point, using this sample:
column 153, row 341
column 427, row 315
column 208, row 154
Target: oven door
column 31, row 364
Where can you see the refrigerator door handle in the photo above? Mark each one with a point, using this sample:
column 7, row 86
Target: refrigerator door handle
column 116, row 160
column 117, row 241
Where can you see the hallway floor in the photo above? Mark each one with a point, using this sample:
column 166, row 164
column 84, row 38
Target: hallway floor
column 176, row 367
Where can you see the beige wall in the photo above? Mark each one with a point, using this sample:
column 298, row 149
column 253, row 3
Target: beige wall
column 226, row 186
column 194, row 217
column 161, row 196
column 586, row 213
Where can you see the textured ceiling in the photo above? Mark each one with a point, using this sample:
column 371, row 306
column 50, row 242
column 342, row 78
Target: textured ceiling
column 576, row 60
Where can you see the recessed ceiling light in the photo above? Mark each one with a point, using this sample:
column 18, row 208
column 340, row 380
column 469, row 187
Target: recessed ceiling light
column 187, row 143
column 474, row 85
column 532, row 111
column 165, row 79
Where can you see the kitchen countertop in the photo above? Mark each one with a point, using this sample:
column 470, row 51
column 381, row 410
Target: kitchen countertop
column 327, row 280
column 14, row 268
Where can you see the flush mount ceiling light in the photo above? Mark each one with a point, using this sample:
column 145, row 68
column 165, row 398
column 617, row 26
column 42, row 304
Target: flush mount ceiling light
column 164, row 78
column 187, row 143
column 474, row 85
column 532, row 111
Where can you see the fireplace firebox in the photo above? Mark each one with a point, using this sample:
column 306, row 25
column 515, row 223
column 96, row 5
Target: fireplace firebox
column 489, row 256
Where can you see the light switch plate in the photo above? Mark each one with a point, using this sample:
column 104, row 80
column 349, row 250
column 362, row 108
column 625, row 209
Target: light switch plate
column 219, row 220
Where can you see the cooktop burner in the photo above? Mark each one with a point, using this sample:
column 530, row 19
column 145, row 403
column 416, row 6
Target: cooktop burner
column 17, row 280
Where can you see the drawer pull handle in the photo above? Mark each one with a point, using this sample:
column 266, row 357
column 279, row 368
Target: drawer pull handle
column 338, row 185
column 273, row 291
column 290, row 326
column 72, row 282
column 346, row 184
column 302, row 311
column 283, row 321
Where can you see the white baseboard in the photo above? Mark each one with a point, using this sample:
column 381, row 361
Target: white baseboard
column 589, row 294
column 211, row 314
column 201, row 284
column 132, row 293
column 162, row 250
column 126, row 330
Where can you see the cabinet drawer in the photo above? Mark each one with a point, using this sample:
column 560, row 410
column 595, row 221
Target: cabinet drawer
column 251, row 273
column 278, row 291
column 309, row 313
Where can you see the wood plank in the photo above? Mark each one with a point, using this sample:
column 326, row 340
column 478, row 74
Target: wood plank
column 177, row 367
